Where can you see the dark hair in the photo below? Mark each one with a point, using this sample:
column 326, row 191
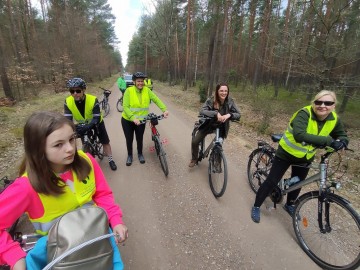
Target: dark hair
column 217, row 102
column 36, row 130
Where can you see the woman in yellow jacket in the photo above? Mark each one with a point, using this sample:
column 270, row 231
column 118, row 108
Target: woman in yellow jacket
column 316, row 125
column 136, row 104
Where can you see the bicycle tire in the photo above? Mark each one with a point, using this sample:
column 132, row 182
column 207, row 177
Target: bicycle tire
column 162, row 155
column 339, row 246
column 258, row 168
column 99, row 150
column 87, row 149
column 105, row 107
column 217, row 172
column 119, row 105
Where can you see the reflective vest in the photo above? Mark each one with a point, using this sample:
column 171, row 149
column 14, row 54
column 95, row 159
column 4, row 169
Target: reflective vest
column 139, row 108
column 56, row 206
column 89, row 105
column 290, row 145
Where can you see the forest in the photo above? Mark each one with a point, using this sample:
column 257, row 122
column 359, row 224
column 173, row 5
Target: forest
column 283, row 45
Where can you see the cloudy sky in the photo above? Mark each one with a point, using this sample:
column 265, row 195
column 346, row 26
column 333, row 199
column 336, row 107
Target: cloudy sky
column 128, row 14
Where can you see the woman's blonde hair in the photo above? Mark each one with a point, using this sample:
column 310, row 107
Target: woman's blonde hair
column 324, row 93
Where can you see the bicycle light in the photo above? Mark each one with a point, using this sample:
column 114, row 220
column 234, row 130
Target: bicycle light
column 336, row 185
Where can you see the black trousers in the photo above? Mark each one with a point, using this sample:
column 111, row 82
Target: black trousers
column 277, row 171
column 129, row 129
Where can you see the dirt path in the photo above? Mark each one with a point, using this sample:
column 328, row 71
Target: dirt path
column 176, row 223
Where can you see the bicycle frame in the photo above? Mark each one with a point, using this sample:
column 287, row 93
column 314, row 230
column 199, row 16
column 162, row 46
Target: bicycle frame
column 216, row 141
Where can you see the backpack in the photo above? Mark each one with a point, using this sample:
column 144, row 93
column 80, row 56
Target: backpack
column 77, row 227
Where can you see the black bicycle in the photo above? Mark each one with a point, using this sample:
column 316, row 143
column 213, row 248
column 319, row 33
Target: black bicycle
column 90, row 142
column 155, row 136
column 119, row 104
column 217, row 170
column 104, row 102
column 325, row 224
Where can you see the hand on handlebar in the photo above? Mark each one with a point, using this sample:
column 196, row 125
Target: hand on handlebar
column 166, row 114
column 223, row 118
column 338, row 145
column 122, row 233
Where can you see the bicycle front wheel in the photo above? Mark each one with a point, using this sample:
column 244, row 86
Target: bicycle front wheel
column 217, row 172
column 162, row 155
column 337, row 245
column 119, row 104
column 258, row 168
column 105, row 108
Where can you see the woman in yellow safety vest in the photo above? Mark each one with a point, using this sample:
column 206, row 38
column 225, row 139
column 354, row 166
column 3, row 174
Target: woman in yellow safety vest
column 316, row 125
column 136, row 104
column 54, row 179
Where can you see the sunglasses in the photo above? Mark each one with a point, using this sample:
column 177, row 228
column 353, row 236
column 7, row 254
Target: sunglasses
column 326, row 103
column 77, row 91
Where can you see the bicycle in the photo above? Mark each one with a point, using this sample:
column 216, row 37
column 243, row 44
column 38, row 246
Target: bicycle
column 217, row 170
column 91, row 143
column 119, row 103
column 325, row 224
column 104, row 103
column 155, row 137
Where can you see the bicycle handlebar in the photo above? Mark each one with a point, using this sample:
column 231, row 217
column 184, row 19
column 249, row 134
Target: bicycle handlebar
column 152, row 116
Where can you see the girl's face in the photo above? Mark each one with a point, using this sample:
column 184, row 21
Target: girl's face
column 324, row 106
column 60, row 148
column 222, row 93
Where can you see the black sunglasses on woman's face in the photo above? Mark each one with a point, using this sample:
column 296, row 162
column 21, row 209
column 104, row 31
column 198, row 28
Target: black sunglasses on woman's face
column 326, row 103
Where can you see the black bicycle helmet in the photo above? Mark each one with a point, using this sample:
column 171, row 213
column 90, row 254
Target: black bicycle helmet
column 76, row 82
column 138, row 75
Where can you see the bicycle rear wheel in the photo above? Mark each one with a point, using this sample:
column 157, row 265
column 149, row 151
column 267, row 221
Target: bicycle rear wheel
column 258, row 168
column 106, row 108
column 338, row 245
column 119, row 104
column 161, row 154
column 217, row 172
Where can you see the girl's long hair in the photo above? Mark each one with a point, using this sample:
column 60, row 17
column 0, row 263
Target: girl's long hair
column 37, row 128
column 217, row 102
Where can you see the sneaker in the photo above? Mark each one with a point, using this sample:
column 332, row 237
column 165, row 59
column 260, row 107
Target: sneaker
column 141, row 158
column 192, row 163
column 255, row 214
column 113, row 165
column 129, row 160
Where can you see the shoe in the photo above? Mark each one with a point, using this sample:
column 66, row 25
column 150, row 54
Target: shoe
column 255, row 214
column 129, row 160
column 141, row 158
column 192, row 163
column 290, row 208
column 113, row 165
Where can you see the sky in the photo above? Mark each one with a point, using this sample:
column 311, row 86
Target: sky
column 128, row 14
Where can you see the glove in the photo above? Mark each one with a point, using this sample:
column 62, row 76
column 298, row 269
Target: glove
column 338, row 145
column 81, row 129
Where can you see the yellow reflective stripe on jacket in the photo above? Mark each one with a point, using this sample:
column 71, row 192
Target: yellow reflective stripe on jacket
column 56, row 206
column 89, row 105
column 139, row 102
column 290, row 145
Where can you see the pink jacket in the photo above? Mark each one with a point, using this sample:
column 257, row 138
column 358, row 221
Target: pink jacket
column 21, row 198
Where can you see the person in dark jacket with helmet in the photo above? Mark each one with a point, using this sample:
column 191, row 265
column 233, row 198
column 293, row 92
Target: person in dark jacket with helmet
column 136, row 104
column 222, row 108
column 85, row 108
